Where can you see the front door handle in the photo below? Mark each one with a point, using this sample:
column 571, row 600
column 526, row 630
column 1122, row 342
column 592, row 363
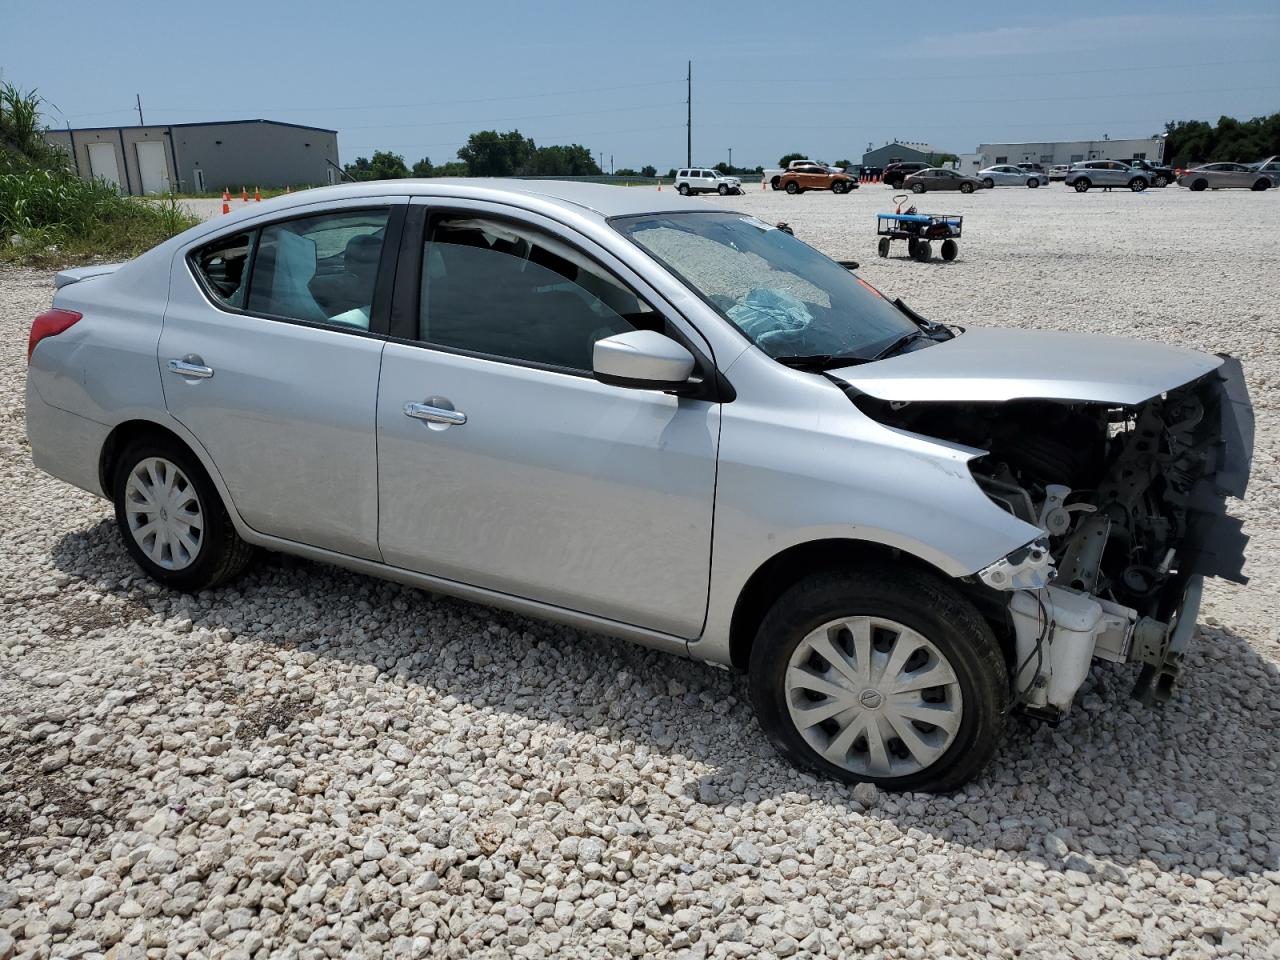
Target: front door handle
column 436, row 410
column 191, row 367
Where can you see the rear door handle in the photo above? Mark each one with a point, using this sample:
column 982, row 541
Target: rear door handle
column 191, row 367
column 434, row 411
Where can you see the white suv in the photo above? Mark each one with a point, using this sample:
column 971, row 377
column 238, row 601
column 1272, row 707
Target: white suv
column 704, row 180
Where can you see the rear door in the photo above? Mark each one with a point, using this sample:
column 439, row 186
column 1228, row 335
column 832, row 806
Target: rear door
column 547, row 484
column 269, row 355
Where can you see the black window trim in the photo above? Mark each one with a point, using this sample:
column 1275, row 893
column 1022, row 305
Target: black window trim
column 404, row 314
column 383, row 287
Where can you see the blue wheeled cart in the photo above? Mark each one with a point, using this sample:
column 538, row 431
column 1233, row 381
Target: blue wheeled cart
column 919, row 230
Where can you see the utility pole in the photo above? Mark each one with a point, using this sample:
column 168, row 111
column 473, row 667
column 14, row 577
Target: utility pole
column 731, row 159
column 141, row 123
column 611, row 164
column 688, row 160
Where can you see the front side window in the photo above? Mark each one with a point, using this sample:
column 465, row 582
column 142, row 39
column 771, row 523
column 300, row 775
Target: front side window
column 223, row 265
column 320, row 269
column 506, row 290
column 784, row 296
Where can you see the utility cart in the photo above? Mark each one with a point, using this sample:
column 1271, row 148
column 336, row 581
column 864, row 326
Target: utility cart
column 919, row 230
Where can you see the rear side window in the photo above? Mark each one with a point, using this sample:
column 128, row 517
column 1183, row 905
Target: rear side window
column 320, row 269
column 224, row 267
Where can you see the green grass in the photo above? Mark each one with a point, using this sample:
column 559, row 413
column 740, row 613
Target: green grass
column 52, row 217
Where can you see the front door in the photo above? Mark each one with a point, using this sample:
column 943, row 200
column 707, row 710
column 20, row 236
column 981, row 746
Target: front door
column 269, row 356
column 503, row 464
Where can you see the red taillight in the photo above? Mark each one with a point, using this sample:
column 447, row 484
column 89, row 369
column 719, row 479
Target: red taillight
column 49, row 324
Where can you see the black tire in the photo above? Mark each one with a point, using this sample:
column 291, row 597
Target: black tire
column 774, row 184
column 1160, row 181
column 1032, row 183
column 1199, row 185
column 915, row 599
column 792, row 187
column 683, row 189
column 1137, row 184
column 918, row 187
column 912, row 243
column 966, row 188
column 896, row 183
column 924, row 251
column 989, row 183
column 837, row 186
column 949, row 250
column 1262, row 184
column 1082, row 185
column 220, row 556
column 723, row 189
column 882, row 247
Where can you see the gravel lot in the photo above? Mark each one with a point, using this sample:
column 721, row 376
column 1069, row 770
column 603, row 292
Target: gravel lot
column 313, row 763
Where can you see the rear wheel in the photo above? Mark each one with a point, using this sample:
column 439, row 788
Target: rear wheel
column 1082, row 185
column 793, row 187
column 171, row 519
column 966, row 188
column 924, row 251
column 887, row 676
column 989, row 183
column 949, row 250
column 683, row 189
column 1199, row 185
column 1137, row 184
column 917, row 187
column 882, row 247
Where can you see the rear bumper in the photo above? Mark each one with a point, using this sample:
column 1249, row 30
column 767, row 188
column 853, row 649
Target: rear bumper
column 64, row 445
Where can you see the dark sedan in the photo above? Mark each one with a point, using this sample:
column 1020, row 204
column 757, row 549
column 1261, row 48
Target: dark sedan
column 940, row 178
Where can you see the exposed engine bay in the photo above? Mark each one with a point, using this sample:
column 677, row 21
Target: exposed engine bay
column 1131, row 504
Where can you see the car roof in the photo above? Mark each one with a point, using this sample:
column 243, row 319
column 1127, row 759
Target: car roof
column 603, row 200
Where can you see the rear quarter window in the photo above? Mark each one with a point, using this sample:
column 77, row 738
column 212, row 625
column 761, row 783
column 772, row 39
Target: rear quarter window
column 221, row 265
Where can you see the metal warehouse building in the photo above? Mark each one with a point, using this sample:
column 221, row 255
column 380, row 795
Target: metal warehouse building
column 1071, row 151
column 201, row 157
column 899, row 151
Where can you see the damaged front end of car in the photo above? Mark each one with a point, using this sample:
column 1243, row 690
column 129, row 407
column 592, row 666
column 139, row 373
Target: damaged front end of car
column 1130, row 501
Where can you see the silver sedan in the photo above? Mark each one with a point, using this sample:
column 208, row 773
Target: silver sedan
column 1222, row 176
column 650, row 417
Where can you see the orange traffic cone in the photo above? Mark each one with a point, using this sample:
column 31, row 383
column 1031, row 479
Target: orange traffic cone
column 257, row 197
column 226, row 200
column 244, row 194
column 659, row 185
column 763, row 185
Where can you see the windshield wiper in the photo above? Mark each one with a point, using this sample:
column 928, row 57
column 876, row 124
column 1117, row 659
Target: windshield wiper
column 820, row 361
column 901, row 342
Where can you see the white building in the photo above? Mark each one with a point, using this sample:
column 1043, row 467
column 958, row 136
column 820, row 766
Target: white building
column 1070, row 151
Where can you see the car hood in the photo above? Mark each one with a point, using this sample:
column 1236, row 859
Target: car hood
column 984, row 365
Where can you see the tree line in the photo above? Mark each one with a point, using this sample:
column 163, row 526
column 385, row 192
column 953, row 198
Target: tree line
column 1188, row 142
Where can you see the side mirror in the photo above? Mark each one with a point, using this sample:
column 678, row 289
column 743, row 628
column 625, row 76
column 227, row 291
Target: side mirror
column 642, row 359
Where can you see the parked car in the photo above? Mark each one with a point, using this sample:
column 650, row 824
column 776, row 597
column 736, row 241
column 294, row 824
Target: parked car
column 544, row 396
column 895, row 173
column 814, row 176
column 1059, row 171
column 1007, row 175
column 706, row 180
column 1269, row 166
column 1224, row 176
column 1157, row 176
column 1035, row 168
column 940, row 178
column 1105, row 173
column 773, row 175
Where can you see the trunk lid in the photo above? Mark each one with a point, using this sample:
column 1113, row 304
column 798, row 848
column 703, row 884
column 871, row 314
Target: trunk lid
column 76, row 274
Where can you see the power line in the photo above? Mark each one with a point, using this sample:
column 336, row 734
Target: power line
column 540, row 116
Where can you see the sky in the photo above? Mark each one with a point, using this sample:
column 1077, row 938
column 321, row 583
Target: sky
column 825, row 79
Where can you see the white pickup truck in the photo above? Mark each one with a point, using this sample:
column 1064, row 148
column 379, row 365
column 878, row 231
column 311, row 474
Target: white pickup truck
column 771, row 174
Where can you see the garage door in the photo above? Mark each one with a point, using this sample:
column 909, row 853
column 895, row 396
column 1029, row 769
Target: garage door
column 102, row 163
column 152, row 166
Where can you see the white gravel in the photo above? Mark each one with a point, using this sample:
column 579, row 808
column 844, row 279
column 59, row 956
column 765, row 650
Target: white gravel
column 316, row 764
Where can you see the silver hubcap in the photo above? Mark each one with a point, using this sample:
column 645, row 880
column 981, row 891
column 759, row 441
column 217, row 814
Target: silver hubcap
column 164, row 513
column 873, row 696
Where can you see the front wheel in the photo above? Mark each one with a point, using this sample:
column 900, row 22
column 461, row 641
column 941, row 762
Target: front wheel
column 1262, row 184
column 1137, row 184
column 924, row 251
column 837, row 186
column 1199, row 185
column 1033, row 183
column 949, row 250
column 793, row 188
column 917, row 188
column 171, row 519
column 1082, row 185
column 1160, row 181
column 888, row 676
column 989, row 183
column 966, row 188
column 683, row 189
column 774, row 184
column 723, row 189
